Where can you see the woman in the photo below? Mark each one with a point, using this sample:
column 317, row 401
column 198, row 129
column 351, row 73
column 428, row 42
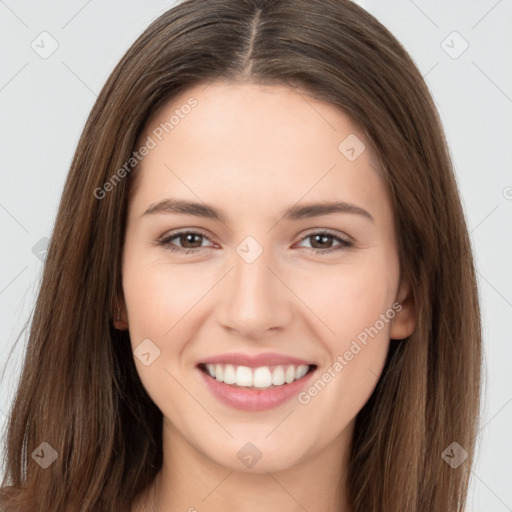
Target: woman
column 195, row 345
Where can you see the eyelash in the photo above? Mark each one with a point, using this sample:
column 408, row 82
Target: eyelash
column 165, row 242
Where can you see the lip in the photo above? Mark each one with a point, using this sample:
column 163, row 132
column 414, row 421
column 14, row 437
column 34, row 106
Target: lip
column 254, row 361
column 255, row 399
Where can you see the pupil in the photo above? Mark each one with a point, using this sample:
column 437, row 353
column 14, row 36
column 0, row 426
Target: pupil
column 320, row 237
column 190, row 237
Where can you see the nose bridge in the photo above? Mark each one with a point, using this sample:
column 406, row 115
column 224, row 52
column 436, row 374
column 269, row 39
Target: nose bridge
column 256, row 299
column 253, row 284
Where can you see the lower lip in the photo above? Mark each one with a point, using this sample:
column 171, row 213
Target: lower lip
column 255, row 399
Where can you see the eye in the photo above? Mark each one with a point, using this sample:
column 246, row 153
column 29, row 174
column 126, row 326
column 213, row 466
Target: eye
column 322, row 245
column 192, row 241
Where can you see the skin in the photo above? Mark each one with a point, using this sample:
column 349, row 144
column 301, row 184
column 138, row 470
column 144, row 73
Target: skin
column 252, row 151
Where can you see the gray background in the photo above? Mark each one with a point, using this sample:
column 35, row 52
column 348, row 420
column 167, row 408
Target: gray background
column 44, row 103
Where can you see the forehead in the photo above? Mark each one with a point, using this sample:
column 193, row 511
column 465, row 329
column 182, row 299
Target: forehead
column 257, row 145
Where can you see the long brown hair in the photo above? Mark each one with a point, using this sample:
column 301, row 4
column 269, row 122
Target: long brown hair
column 79, row 390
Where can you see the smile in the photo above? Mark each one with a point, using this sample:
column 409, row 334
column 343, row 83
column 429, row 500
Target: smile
column 258, row 388
column 263, row 377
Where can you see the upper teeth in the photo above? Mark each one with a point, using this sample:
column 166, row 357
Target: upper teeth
column 261, row 377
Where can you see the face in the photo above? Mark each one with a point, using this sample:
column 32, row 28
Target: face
column 255, row 285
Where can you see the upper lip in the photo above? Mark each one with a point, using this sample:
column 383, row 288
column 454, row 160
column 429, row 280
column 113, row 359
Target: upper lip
column 254, row 361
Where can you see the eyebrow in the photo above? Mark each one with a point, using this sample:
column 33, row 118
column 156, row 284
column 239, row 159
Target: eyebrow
column 296, row 212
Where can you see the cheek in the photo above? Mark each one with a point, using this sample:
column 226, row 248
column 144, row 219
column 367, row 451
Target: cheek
column 157, row 296
column 160, row 300
column 355, row 302
column 348, row 298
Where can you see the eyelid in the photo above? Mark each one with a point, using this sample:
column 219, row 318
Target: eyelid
column 326, row 231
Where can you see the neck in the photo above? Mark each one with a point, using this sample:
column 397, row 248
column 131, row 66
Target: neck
column 190, row 481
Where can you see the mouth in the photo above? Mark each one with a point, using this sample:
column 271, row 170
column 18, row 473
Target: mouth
column 255, row 388
column 259, row 378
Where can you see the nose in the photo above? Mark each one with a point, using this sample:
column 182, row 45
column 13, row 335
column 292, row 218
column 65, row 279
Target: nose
column 255, row 298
